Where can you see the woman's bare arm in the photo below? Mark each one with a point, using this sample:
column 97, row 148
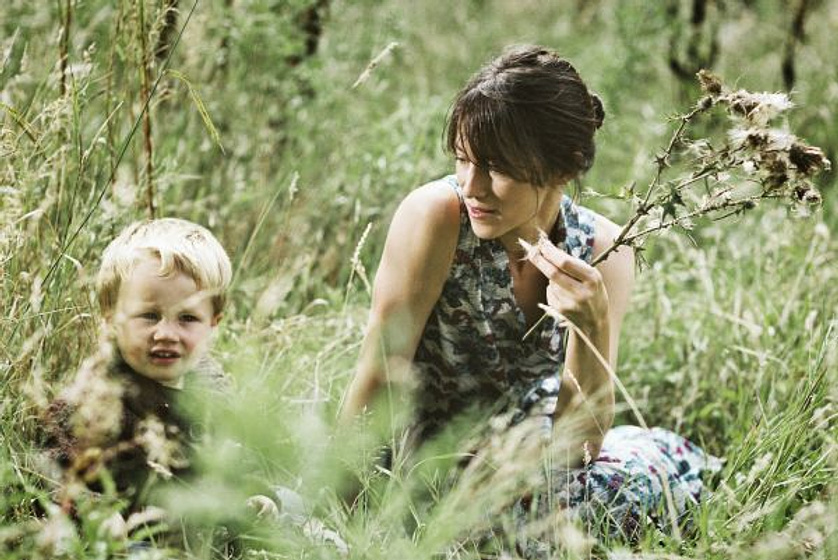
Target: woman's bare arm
column 414, row 266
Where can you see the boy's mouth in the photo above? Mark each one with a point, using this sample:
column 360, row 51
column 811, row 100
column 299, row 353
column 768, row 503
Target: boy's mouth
column 164, row 357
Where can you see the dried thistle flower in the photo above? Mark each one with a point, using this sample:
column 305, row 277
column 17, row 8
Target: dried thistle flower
column 808, row 160
column 530, row 251
column 756, row 108
column 163, row 450
column 96, row 400
column 711, row 84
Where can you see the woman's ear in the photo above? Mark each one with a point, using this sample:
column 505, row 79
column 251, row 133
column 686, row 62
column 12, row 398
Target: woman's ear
column 560, row 180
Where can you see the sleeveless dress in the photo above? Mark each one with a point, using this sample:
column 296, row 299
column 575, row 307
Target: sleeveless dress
column 471, row 356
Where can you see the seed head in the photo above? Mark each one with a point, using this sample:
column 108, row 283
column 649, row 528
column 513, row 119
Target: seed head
column 711, row 84
column 808, row 160
column 806, row 194
column 757, row 108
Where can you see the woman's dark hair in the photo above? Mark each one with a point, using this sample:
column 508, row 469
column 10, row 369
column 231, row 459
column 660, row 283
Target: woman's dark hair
column 528, row 115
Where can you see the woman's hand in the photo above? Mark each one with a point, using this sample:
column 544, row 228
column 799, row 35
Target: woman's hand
column 576, row 289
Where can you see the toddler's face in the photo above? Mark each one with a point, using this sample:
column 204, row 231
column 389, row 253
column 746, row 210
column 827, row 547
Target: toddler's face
column 162, row 324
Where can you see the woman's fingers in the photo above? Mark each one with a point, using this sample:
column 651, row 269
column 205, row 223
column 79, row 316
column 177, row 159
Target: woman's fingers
column 555, row 274
column 559, row 268
column 575, row 289
column 570, row 265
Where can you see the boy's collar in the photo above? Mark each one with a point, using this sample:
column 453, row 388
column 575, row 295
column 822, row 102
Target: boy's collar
column 177, row 384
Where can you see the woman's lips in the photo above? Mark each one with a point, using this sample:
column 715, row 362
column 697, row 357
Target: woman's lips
column 478, row 213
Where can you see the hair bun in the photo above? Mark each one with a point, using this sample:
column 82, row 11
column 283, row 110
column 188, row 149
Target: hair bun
column 598, row 109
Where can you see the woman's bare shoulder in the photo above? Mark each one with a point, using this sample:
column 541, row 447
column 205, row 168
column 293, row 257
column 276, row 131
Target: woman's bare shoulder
column 434, row 203
column 605, row 231
column 428, row 218
column 419, row 248
column 618, row 268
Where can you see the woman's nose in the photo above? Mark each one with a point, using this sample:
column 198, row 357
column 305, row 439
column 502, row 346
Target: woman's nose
column 475, row 181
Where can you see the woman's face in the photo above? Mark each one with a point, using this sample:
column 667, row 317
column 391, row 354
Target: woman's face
column 500, row 207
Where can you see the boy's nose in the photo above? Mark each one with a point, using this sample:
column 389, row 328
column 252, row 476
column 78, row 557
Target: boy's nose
column 165, row 330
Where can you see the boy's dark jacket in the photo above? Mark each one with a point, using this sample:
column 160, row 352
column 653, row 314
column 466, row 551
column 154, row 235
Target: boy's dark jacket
column 128, row 451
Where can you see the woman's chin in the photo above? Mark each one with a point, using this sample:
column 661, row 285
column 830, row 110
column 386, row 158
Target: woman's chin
column 483, row 232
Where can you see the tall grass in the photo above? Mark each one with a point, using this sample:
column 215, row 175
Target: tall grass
column 733, row 337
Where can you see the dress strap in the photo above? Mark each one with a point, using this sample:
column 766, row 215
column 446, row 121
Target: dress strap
column 451, row 181
column 579, row 225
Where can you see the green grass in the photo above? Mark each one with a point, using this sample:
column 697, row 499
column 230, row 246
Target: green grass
column 733, row 337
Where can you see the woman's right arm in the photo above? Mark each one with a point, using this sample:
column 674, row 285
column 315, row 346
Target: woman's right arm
column 414, row 266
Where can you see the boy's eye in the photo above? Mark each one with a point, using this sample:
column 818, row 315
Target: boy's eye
column 149, row 316
column 189, row 318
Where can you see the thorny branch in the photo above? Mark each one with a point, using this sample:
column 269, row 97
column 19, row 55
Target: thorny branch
column 756, row 162
column 663, row 162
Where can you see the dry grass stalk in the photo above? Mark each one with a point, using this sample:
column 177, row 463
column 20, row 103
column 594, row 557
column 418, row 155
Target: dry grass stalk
column 358, row 266
column 365, row 75
column 64, row 53
column 145, row 96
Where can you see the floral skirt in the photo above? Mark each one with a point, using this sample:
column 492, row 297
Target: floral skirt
column 641, row 478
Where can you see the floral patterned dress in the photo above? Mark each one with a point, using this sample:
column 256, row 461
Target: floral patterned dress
column 471, row 355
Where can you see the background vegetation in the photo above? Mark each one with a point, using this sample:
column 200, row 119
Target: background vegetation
column 242, row 115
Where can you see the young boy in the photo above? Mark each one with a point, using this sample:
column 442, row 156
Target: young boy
column 161, row 288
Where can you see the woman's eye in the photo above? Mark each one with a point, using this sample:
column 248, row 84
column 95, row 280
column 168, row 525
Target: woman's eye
column 497, row 172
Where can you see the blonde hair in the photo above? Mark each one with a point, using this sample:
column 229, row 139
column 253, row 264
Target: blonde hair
column 181, row 246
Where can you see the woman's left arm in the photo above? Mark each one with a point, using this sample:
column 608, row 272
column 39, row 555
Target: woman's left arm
column 595, row 300
column 617, row 272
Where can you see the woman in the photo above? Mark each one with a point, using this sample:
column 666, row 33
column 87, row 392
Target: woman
column 457, row 291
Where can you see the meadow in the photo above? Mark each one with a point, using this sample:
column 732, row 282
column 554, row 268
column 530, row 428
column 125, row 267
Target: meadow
column 267, row 122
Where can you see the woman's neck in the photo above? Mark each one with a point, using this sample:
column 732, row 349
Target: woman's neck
column 544, row 219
